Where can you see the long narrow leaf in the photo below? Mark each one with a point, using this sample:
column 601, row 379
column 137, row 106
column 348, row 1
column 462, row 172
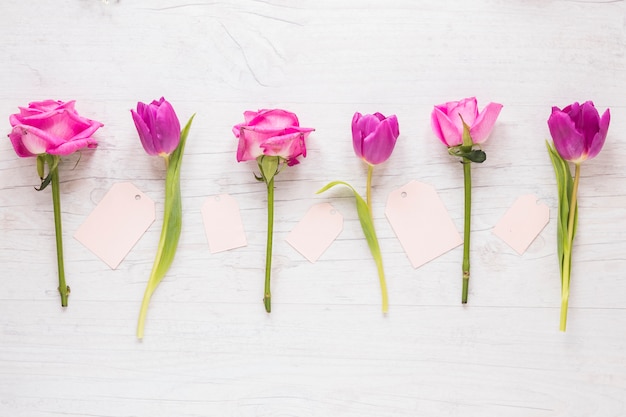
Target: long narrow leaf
column 367, row 224
column 172, row 225
column 173, row 208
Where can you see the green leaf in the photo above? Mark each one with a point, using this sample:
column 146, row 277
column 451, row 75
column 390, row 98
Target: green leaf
column 565, row 185
column 476, row 155
column 172, row 224
column 367, row 224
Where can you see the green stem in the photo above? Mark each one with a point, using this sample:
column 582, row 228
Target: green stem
column 383, row 283
column 567, row 251
column 467, row 174
column 153, row 281
column 377, row 259
column 368, row 187
column 64, row 289
column 267, row 297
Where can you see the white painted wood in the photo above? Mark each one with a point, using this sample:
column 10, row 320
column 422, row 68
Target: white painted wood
column 326, row 350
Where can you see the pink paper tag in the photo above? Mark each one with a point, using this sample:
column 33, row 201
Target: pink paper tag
column 319, row 227
column 522, row 223
column 117, row 223
column 222, row 223
column 421, row 222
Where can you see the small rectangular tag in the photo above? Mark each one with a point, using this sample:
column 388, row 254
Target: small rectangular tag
column 222, row 223
column 522, row 223
column 319, row 227
column 421, row 222
column 117, row 223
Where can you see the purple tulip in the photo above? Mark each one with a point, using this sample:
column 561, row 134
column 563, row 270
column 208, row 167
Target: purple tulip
column 374, row 136
column 578, row 131
column 158, row 127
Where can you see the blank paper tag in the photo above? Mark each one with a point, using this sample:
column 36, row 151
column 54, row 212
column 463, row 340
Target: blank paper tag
column 117, row 223
column 522, row 223
column 319, row 227
column 421, row 222
column 222, row 223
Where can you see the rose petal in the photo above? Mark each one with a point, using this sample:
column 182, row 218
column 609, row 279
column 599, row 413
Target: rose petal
column 274, row 119
column 467, row 109
column 484, row 123
column 444, row 129
column 68, row 148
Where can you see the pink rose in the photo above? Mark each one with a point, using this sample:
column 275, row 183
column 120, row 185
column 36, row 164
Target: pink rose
column 447, row 120
column 51, row 127
column 272, row 132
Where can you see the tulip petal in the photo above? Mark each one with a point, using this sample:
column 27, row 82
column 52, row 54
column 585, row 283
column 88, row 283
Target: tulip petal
column 588, row 122
column 167, row 128
column 357, row 135
column 395, row 127
column 444, row 129
column 568, row 142
column 368, row 124
column 599, row 138
column 483, row 125
column 144, row 131
column 378, row 146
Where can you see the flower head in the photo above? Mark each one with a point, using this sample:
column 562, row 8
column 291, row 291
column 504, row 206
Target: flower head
column 578, row 131
column 374, row 136
column 272, row 132
column 158, row 127
column 447, row 121
column 51, row 127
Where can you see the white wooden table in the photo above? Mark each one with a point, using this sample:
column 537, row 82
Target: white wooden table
column 326, row 349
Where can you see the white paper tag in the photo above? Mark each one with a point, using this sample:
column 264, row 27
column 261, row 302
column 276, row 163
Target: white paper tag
column 523, row 222
column 117, row 223
column 319, row 227
column 222, row 223
column 421, row 222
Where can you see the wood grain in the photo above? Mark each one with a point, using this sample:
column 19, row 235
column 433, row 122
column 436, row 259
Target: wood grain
column 326, row 350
